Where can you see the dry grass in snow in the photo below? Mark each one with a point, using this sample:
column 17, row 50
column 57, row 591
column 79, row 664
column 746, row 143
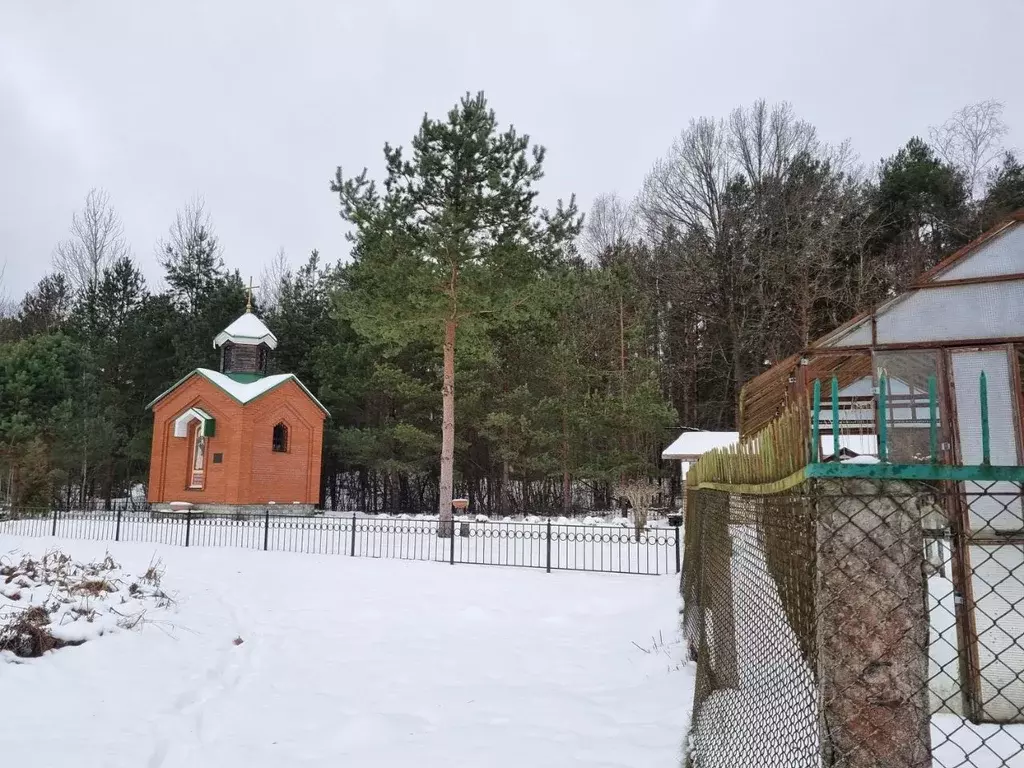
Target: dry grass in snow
column 52, row 601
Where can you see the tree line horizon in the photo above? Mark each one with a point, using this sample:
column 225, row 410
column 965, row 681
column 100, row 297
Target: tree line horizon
column 530, row 360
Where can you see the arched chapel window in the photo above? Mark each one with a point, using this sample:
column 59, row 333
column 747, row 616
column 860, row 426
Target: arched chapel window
column 280, row 438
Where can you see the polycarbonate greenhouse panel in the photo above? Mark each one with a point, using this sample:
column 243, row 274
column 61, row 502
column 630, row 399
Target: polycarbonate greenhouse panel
column 956, row 313
column 988, row 510
column 1002, row 255
column 862, row 387
column 857, row 336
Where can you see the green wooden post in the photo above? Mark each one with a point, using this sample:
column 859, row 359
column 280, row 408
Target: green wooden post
column 986, row 448
column 933, row 420
column 883, row 422
column 816, row 424
column 835, row 418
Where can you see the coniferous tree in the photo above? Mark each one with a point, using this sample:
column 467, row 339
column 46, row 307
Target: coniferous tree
column 109, row 323
column 1005, row 192
column 921, row 206
column 191, row 258
column 40, row 413
column 455, row 237
column 45, row 308
column 301, row 320
column 206, row 296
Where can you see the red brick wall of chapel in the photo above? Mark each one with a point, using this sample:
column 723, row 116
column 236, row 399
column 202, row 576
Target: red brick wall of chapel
column 250, row 471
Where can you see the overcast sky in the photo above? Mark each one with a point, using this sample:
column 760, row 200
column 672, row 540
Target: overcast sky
column 253, row 104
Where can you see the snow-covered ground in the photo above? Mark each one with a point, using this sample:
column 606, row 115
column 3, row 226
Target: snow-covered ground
column 750, row 724
column 357, row 661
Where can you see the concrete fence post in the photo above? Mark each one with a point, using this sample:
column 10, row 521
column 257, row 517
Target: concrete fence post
column 872, row 625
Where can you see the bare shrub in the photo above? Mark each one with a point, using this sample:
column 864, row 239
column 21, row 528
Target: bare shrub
column 38, row 595
column 640, row 494
column 27, row 635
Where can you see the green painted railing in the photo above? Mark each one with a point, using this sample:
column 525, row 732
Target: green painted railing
column 933, row 470
column 779, row 458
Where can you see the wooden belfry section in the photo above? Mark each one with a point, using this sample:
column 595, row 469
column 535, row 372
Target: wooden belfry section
column 237, row 437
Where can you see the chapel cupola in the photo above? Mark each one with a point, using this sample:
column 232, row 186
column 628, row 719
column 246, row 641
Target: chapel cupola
column 245, row 347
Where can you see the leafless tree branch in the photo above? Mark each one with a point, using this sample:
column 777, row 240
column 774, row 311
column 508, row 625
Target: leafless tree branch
column 273, row 274
column 610, row 223
column 191, row 225
column 971, row 141
column 97, row 241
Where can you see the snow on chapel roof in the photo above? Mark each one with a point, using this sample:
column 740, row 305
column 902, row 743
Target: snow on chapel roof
column 243, row 392
column 691, row 444
column 248, row 329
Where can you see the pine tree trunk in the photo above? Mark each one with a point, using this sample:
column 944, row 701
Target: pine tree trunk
column 445, row 527
column 566, row 476
column 622, row 349
column 566, row 493
column 505, row 500
column 85, row 460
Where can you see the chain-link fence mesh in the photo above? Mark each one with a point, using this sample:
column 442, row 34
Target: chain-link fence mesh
column 857, row 623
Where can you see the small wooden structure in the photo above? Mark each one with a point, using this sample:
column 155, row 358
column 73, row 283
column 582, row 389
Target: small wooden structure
column 692, row 444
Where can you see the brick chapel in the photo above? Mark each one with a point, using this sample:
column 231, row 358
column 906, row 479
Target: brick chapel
column 237, row 437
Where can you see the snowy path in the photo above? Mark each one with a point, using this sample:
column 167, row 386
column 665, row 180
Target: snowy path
column 359, row 662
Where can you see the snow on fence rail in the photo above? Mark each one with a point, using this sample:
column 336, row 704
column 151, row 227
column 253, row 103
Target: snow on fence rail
column 548, row 545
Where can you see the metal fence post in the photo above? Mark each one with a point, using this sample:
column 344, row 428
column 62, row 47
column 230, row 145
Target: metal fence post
column 678, row 560
column 117, row 528
column 986, row 444
column 352, row 547
column 266, row 529
column 55, row 514
column 835, row 419
column 548, row 547
column 188, row 526
column 883, row 423
column 451, row 552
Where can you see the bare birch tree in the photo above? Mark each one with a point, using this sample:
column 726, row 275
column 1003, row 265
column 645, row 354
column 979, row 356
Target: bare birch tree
column 274, row 273
column 641, row 494
column 97, row 241
column 610, row 223
column 971, row 141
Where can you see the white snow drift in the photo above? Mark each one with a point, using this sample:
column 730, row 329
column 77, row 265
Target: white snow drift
column 274, row 659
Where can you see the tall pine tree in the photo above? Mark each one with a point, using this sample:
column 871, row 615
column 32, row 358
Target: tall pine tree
column 453, row 241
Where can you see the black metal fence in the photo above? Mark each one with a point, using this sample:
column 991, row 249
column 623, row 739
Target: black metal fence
column 548, row 545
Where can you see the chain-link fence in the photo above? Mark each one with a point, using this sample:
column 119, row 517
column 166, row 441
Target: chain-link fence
column 857, row 622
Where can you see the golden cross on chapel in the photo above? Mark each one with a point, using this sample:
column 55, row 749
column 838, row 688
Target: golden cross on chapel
column 248, row 295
